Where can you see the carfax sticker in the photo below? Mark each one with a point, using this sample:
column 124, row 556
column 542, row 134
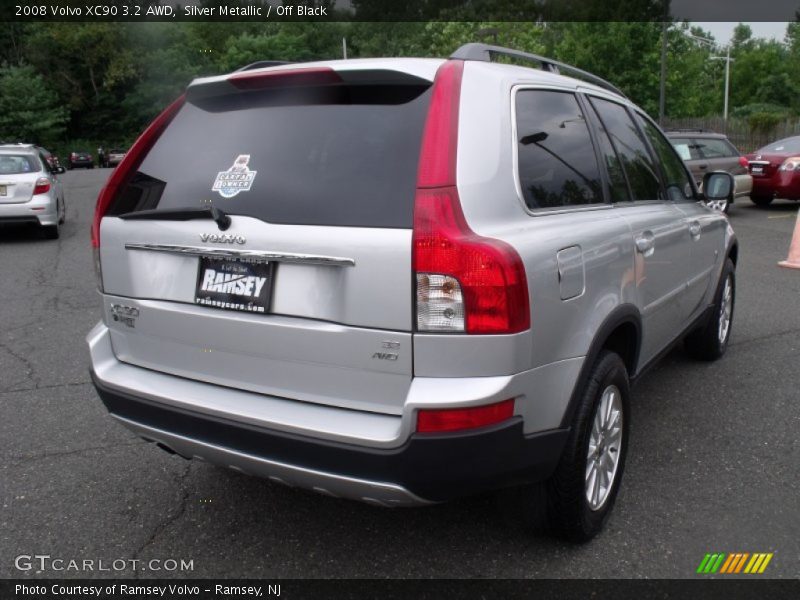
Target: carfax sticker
column 238, row 178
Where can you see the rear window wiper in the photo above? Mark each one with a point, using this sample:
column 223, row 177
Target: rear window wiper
column 181, row 214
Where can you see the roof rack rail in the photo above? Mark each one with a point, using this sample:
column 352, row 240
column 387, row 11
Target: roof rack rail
column 261, row 64
column 484, row 52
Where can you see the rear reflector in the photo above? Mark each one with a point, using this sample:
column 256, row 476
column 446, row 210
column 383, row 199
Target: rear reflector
column 458, row 419
column 42, row 186
column 255, row 80
column 130, row 164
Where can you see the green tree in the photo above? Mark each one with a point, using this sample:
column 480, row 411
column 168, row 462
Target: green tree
column 29, row 110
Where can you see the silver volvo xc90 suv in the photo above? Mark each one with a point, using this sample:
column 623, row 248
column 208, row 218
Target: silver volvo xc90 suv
column 405, row 280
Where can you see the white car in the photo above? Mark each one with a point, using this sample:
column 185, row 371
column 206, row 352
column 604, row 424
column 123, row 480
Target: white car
column 30, row 192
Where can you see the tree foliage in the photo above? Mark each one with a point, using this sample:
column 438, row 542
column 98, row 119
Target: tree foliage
column 29, row 110
column 105, row 81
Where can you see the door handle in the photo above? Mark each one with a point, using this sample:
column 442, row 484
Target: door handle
column 646, row 243
column 694, row 229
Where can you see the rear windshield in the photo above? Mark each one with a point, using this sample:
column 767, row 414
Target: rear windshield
column 343, row 156
column 15, row 164
column 788, row 145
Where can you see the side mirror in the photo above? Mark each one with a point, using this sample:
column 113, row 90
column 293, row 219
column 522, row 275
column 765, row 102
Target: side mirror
column 60, row 170
column 718, row 185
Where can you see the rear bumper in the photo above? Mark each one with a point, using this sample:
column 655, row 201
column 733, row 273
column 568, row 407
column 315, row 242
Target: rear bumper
column 743, row 185
column 427, row 468
column 419, row 469
column 782, row 184
column 40, row 210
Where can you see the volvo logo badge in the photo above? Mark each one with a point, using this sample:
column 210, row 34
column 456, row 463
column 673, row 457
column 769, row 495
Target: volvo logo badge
column 223, row 238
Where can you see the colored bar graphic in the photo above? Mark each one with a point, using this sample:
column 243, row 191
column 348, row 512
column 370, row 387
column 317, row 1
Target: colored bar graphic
column 727, row 564
column 718, row 563
column 734, row 562
column 754, row 563
column 703, row 563
column 741, row 562
column 765, row 563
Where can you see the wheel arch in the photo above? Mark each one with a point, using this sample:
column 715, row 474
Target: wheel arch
column 620, row 332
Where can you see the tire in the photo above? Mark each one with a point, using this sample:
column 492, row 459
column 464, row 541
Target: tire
column 710, row 341
column 561, row 506
column 761, row 200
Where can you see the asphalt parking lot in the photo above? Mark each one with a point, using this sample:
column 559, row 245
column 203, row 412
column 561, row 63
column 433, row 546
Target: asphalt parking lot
column 713, row 464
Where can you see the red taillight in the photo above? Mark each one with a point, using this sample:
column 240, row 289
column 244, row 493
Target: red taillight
column 42, row 186
column 743, row 162
column 490, row 273
column 129, row 164
column 255, row 80
column 456, row 419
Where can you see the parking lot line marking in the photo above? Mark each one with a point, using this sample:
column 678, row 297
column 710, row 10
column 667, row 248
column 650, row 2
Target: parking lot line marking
column 789, row 216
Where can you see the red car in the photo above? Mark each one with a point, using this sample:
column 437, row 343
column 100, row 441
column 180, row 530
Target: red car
column 776, row 171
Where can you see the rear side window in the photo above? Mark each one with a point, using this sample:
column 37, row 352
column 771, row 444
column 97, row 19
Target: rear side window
column 639, row 166
column 556, row 159
column 340, row 156
column 686, row 148
column 677, row 182
column 716, row 148
column 618, row 186
column 16, row 164
column 791, row 144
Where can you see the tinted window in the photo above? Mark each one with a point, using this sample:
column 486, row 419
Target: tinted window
column 343, row 156
column 639, row 167
column 677, row 182
column 618, row 186
column 557, row 163
column 716, row 148
column 15, row 164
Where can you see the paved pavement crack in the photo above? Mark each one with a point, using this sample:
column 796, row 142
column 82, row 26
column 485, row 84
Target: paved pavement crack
column 766, row 336
column 170, row 519
column 19, row 459
column 45, row 387
column 26, row 363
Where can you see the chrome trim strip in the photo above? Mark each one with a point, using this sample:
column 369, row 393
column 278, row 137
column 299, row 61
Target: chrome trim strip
column 285, row 257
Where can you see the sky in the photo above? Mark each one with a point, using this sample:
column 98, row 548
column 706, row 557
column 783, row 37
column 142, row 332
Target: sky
column 722, row 31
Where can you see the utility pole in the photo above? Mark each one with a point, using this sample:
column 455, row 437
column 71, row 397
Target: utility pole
column 344, row 48
column 728, row 60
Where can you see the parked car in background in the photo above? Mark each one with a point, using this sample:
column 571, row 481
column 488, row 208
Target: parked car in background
column 30, row 192
column 113, row 157
column 776, row 171
column 52, row 160
column 456, row 303
column 705, row 151
column 80, row 158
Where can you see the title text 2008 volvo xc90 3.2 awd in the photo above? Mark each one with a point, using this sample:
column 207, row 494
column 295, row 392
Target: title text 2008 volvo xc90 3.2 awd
column 406, row 280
